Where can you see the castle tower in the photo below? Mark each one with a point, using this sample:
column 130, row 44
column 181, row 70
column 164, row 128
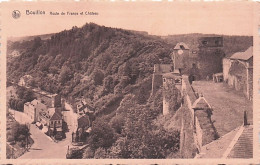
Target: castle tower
column 180, row 57
column 210, row 55
column 159, row 70
column 55, row 100
column 170, row 80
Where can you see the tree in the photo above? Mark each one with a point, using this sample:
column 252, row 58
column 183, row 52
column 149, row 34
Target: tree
column 173, row 96
column 11, row 103
column 16, row 103
column 100, row 153
column 98, row 77
column 117, row 123
column 20, row 131
column 108, row 84
column 119, row 149
column 102, row 135
column 25, row 94
column 88, row 153
column 20, row 105
column 141, row 99
column 36, row 43
column 10, row 138
column 126, row 103
column 32, row 83
column 20, row 92
column 65, row 74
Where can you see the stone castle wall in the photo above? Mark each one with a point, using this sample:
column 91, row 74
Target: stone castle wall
column 157, row 82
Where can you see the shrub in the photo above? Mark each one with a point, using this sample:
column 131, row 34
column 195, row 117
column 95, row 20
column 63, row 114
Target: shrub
column 88, row 153
column 117, row 123
column 102, row 135
column 10, row 138
column 98, row 77
column 100, row 153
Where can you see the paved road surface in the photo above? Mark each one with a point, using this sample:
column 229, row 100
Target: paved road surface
column 228, row 105
column 44, row 147
column 70, row 117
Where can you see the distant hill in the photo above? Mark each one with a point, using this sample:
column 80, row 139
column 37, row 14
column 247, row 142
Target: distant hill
column 28, row 38
column 16, row 45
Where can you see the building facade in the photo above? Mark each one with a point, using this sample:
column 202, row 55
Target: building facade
column 181, row 58
column 159, row 70
column 238, row 72
column 84, row 108
column 32, row 109
column 56, row 122
column 172, row 85
column 50, row 100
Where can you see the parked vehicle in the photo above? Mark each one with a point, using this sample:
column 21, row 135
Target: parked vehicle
column 58, row 136
column 39, row 125
column 77, row 143
column 74, row 153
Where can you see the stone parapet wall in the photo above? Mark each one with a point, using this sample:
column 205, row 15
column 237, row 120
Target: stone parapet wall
column 157, row 82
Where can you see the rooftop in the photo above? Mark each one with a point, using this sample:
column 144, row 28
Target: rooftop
column 35, row 102
column 163, row 68
column 246, row 55
column 168, row 75
column 201, row 103
column 238, row 143
column 216, row 148
column 56, row 116
column 51, row 111
column 243, row 147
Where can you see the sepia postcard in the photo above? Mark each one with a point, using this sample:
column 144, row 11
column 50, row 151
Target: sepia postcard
column 126, row 82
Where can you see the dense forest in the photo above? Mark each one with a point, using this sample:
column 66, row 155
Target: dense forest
column 112, row 69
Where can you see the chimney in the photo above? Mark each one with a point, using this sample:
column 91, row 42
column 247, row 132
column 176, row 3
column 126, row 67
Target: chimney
column 245, row 118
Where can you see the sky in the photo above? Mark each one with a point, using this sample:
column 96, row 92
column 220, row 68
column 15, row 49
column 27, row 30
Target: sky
column 157, row 18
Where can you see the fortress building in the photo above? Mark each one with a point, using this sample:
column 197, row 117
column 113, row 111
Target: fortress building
column 159, row 70
column 50, row 100
column 199, row 62
column 238, row 72
column 210, row 55
column 180, row 57
column 171, row 80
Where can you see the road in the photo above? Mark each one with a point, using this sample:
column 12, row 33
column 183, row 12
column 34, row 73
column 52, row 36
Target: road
column 44, row 147
column 70, row 117
column 228, row 105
